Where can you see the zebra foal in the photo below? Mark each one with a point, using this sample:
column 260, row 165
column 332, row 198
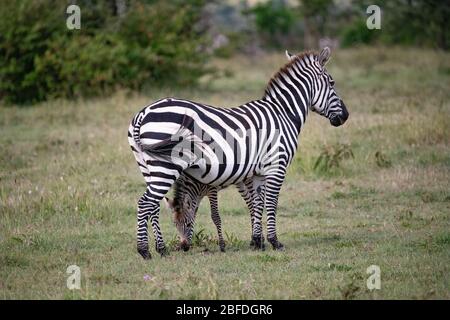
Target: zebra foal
column 188, row 194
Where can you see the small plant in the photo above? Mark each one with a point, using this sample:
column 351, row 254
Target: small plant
column 381, row 160
column 173, row 243
column 331, row 157
column 349, row 291
column 203, row 239
column 232, row 240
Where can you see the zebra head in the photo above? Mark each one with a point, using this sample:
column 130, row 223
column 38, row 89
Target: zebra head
column 184, row 207
column 325, row 100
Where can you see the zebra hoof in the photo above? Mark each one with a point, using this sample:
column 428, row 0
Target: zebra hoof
column 252, row 243
column 144, row 253
column 279, row 247
column 222, row 246
column 258, row 243
column 162, row 251
column 276, row 245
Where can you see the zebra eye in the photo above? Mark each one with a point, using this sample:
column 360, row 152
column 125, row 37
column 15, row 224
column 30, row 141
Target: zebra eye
column 332, row 83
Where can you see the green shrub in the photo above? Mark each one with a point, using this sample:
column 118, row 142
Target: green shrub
column 403, row 22
column 274, row 20
column 358, row 33
column 331, row 157
column 26, row 29
column 154, row 42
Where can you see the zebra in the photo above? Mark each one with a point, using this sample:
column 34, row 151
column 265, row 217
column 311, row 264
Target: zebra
column 187, row 196
column 188, row 193
column 252, row 144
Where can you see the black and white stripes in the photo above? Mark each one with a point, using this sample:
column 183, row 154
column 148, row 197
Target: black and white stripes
column 187, row 196
column 250, row 146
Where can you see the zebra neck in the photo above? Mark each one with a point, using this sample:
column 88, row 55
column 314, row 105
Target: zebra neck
column 291, row 89
column 294, row 102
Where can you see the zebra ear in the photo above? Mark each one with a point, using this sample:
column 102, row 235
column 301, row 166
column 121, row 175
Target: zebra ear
column 169, row 204
column 289, row 55
column 324, row 56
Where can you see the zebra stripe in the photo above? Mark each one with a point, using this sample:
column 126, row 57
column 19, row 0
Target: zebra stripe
column 187, row 196
column 250, row 146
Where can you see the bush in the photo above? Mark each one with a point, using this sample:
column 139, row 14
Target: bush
column 274, row 20
column 358, row 33
column 331, row 157
column 153, row 42
column 404, row 22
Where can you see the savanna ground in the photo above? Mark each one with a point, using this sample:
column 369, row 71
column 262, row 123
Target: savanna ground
column 372, row 192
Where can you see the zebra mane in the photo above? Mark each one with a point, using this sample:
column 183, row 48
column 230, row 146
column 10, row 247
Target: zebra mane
column 298, row 57
column 178, row 192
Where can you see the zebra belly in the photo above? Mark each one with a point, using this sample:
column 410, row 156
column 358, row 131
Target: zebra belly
column 226, row 150
column 210, row 176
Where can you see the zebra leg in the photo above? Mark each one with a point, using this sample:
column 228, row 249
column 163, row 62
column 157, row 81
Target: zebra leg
column 160, row 179
column 144, row 207
column 273, row 187
column 148, row 207
column 246, row 193
column 144, row 210
column 259, row 192
column 212, row 195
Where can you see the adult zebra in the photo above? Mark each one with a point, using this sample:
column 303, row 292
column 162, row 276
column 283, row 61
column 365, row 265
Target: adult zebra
column 251, row 145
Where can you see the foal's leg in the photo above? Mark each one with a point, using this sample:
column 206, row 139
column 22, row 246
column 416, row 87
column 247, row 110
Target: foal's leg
column 246, row 193
column 259, row 193
column 212, row 195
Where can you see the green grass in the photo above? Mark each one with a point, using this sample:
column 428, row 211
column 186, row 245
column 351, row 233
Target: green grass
column 69, row 186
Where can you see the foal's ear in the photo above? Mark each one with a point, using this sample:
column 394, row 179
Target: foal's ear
column 169, row 204
column 324, row 56
column 289, row 55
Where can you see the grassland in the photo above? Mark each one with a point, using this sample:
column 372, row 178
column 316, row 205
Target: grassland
column 379, row 196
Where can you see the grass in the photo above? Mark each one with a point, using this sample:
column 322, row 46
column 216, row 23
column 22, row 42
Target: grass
column 69, row 186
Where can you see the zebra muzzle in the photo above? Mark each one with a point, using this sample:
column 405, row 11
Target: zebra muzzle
column 184, row 245
column 336, row 121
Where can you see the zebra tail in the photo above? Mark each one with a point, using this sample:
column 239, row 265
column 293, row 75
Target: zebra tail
column 166, row 146
column 137, row 121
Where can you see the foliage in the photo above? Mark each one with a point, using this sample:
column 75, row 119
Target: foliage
column 152, row 42
column 407, row 22
column 357, row 33
column 274, row 20
column 331, row 157
column 201, row 238
column 316, row 14
column 417, row 22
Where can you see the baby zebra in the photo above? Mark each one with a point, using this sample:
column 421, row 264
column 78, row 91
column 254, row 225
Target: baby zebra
column 187, row 196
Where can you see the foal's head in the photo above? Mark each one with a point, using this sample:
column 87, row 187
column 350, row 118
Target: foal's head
column 184, row 207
